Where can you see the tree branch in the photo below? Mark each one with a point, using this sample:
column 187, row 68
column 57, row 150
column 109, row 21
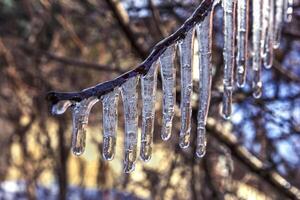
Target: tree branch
column 156, row 18
column 285, row 73
column 117, row 11
column 252, row 162
column 103, row 88
column 69, row 61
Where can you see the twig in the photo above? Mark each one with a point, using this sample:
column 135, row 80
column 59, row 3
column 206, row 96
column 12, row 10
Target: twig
column 70, row 61
column 103, row 88
column 156, row 18
column 285, row 73
column 118, row 12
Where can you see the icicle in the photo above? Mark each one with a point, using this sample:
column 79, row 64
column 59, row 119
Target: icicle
column 168, row 74
column 278, row 22
column 242, row 41
column 60, row 107
column 186, row 61
column 148, row 84
column 265, row 23
column 204, row 35
column 80, row 116
column 268, row 48
column 228, row 54
column 110, row 121
column 285, row 8
column 289, row 11
column 130, row 97
column 257, row 46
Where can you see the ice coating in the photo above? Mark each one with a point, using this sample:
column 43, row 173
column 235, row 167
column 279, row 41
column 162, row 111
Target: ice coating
column 168, row 74
column 80, row 116
column 265, row 9
column 148, row 85
column 228, row 54
column 269, row 37
column 242, row 41
column 204, row 36
column 186, row 62
column 110, row 122
column 257, row 29
column 288, row 15
column 279, row 17
column 60, row 107
column 129, row 98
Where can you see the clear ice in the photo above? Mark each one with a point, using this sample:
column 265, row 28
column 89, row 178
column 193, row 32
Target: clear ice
column 257, row 30
column 130, row 98
column 269, row 37
column 168, row 74
column 80, row 115
column 228, row 54
column 242, row 41
column 204, row 36
column 279, row 17
column 110, row 123
column 60, row 107
column 148, row 85
column 186, row 61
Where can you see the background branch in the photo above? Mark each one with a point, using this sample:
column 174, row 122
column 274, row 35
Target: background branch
column 251, row 161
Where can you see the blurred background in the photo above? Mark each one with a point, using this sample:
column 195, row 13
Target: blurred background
column 67, row 45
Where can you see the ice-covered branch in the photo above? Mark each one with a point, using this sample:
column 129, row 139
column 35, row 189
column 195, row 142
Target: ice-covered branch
column 163, row 57
column 103, row 88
